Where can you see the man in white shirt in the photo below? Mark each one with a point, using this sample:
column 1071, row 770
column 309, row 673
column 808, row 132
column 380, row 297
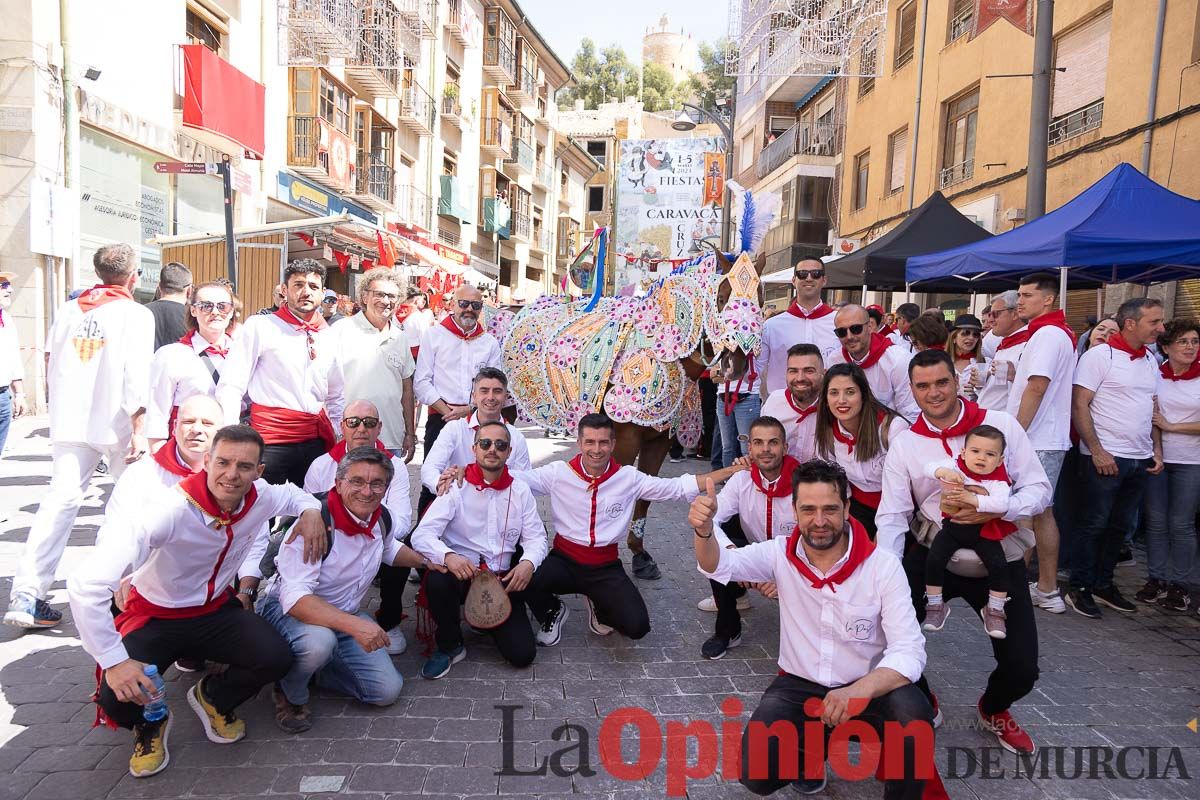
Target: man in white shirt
column 906, row 315
column 98, row 361
column 419, row 320
column 796, row 405
column 184, row 549
column 1040, row 399
column 885, row 364
column 1005, row 351
column 490, row 523
column 849, row 640
column 910, row 505
column 288, row 364
column 452, row 354
column 315, row 606
column 1113, row 406
column 808, row 319
column 377, row 362
column 12, row 398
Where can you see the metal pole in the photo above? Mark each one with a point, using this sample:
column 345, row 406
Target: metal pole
column 1152, row 102
column 915, row 133
column 70, row 128
column 230, row 245
column 1039, row 112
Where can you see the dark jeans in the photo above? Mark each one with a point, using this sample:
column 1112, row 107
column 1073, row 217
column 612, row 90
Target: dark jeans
column 1172, row 500
column 433, row 426
column 1067, row 501
column 514, row 638
column 392, row 581
column 1107, row 514
column 783, row 701
column 289, row 463
column 726, row 595
column 1017, row 655
column 616, row 600
column 954, row 536
column 255, row 652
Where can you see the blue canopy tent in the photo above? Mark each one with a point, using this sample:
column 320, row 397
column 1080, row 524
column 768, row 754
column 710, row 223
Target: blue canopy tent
column 1125, row 228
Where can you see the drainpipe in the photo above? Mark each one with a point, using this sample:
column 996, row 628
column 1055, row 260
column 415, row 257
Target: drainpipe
column 70, row 128
column 916, row 125
column 1148, row 136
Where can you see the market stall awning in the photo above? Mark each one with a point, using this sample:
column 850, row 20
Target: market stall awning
column 219, row 98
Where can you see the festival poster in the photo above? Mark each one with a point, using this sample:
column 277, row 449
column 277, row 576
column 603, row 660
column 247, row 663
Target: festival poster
column 664, row 207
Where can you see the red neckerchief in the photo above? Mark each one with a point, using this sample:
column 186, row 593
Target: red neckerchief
column 972, row 416
column 338, row 451
column 1052, row 319
column 345, row 522
column 449, row 324
column 994, row 529
column 886, row 330
column 801, row 413
column 593, row 485
column 213, row 350
column 819, row 311
column 167, row 457
column 102, row 293
column 474, row 476
column 195, row 488
column 1014, row 339
column 850, row 439
column 998, row 474
column 878, row 345
column 1117, row 342
column 1190, row 373
column 781, row 487
column 936, row 347
column 318, row 322
column 861, row 548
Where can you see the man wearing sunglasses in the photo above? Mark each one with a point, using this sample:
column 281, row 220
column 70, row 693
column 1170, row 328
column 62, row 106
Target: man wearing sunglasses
column 885, row 364
column 808, row 320
column 287, row 364
column 12, row 398
column 490, row 523
column 452, row 354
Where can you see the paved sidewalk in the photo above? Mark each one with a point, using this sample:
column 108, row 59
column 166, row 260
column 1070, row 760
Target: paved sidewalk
column 1121, row 682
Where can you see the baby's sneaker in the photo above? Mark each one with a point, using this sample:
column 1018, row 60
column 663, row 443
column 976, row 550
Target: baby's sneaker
column 936, row 615
column 993, row 622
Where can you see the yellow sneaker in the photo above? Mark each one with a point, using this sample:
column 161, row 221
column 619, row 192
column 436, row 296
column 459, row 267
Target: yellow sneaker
column 150, row 755
column 220, row 728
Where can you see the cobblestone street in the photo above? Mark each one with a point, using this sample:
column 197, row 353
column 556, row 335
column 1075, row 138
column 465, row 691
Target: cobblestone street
column 1121, row 682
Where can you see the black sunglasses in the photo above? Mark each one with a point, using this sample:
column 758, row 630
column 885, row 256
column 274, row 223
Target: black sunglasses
column 5, row 285
column 805, row 274
column 501, row 445
column 370, row 422
column 329, row 300
column 474, row 305
column 854, row 329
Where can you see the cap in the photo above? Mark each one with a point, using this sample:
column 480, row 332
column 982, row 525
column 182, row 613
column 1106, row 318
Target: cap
column 7, row 276
column 967, row 321
column 876, row 308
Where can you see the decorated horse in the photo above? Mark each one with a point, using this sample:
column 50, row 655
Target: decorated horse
column 637, row 359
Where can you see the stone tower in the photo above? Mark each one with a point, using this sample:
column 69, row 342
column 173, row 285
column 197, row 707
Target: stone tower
column 674, row 51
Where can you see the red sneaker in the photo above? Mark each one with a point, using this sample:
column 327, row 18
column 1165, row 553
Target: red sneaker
column 1011, row 735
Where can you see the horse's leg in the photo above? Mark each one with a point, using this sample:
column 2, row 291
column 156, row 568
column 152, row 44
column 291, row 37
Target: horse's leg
column 655, row 445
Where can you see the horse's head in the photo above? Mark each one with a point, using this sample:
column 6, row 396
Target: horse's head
column 734, row 325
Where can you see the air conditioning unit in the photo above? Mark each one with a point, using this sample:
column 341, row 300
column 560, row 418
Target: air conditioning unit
column 1014, row 214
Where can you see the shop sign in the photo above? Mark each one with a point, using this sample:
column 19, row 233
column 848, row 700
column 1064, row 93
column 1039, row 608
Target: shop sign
column 102, row 114
column 315, row 200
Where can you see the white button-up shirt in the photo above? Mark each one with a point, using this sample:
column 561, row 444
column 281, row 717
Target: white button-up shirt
column 867, row 476
column 269, row 362
column 740, row 496
column 905, row 478
column 177, row 373
column 179, row 559
column 996, row 386
column 782, row 331
column 801, row 436
column 888, row 378
column 398, row 501
column 454, row 448
column 480, row 523
column 834, row 636
column 1123, row 406
column 375, row 364
column 11, row 368
column 447, row 364
column 1050, row 354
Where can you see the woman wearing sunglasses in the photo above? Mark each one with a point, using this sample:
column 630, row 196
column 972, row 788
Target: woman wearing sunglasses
column 965, row 346
column 193, row 364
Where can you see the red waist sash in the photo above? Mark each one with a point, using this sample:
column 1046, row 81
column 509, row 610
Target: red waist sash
column 583, row 554
column 287, row 426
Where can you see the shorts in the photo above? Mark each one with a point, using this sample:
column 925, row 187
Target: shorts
column 1052, row 461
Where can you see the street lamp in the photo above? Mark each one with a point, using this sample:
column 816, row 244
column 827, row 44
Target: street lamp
column 685, row 123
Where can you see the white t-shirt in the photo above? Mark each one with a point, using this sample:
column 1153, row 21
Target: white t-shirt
column 1049, row 353
column 1179, row 401
column 1124, row 403
column 375, row 364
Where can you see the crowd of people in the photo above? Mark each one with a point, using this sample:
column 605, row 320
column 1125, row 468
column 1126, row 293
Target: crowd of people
column 870, row 469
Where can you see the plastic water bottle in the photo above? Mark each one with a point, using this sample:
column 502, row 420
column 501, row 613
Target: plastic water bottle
column 156, row 709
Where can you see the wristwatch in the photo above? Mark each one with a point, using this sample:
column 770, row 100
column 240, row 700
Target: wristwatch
column 251, row 593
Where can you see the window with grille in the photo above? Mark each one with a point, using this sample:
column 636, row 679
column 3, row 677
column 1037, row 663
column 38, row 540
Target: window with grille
column 868, row 61
column 958, row 154
column 862, row 171
column 962, row 14
column 1077, row 99
column 906, row 33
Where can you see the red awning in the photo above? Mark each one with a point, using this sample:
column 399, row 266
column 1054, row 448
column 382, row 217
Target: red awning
column 220, row 99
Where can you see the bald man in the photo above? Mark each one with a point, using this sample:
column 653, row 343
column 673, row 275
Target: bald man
column 451, row 355
column 885, row 364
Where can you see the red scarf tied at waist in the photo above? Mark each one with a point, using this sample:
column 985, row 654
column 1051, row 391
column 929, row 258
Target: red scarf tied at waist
column 1117, row 342
column 1191, row 373
column 167, row 457
column 972, row 416
column 288, row 426
column 993, row 529
column 338, row 451
column 879, row 344
column 861, row 547
column 780, row 487
column 1053, row 319
column 345, row 522
column 589, row 554
column 819, row 311
column 451, row 325
column 473, row 475
column 101, row 294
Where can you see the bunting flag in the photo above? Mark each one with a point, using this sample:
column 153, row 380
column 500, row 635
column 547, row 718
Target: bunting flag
column 342, row 260
column 1018, row 12
column 387, row 251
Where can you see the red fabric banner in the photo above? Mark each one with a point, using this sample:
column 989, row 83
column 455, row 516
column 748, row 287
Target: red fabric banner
column 1018, row 12
column 219, row 98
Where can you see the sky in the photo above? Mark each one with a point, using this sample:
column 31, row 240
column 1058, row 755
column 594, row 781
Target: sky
column 564, row 23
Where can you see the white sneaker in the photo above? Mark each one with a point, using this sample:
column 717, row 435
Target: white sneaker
column 1049, row 601
column 710, row 605
column 397, row 644
column 550, row 631
column 597, row 627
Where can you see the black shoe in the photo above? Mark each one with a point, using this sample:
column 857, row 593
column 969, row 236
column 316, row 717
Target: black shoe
column 1113, row 598
column 718, row 646
column 1126, row 559
column 1080, row 600
column 1176, row 599
column 1152, row 592
column 644, row 567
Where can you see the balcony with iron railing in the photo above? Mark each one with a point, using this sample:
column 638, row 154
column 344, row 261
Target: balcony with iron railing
column 454, row 23
column 308, row 156
column 452, row 108
column 417, row 110
column 499, row 61
column 956, row 173
column 524, row 86
column 495, row 137
column 377, row 46
column 960, row 25
column 320, row 28
column 811, row 140
column 1077, row 122
column 543, row 175
column 414, row 207
column 522, row 160
column 376, row 181
column 420, row 16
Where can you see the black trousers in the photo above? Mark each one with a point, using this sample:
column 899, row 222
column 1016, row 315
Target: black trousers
column 954, row 536
column 1016, row 655
column 708, row 413
column 514, row 639
column 783, row 701
column 289, row 463
column 433, row 427
column 726, row 595
column 865, row 516
column 256, row 654
column 615, row 598
column 392, row 581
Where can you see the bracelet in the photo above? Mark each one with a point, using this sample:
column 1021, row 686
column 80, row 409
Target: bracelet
column 701, row 535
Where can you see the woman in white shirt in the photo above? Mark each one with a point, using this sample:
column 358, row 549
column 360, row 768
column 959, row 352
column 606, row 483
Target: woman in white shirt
column 193, row 364
column 854, row 429
column 964, row 344
column 1173, row 495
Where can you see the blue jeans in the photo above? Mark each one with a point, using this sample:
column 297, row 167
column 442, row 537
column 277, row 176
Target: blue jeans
column 737, row 424
column 5, row 417
column 339, row 663
column 1110, row 505
column 1172, row 500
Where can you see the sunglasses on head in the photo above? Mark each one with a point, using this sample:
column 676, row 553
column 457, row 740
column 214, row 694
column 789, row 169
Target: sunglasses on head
column 805, row 274
column 501, row 445
column 370, row 422
column 854, row 329
column 474, row 305
column 207, row 306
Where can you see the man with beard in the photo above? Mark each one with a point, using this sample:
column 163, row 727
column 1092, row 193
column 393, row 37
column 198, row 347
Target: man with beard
column 850, row 646
column 796, row 405
column 808, row 319
column 885, row 364
column 452, row 354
